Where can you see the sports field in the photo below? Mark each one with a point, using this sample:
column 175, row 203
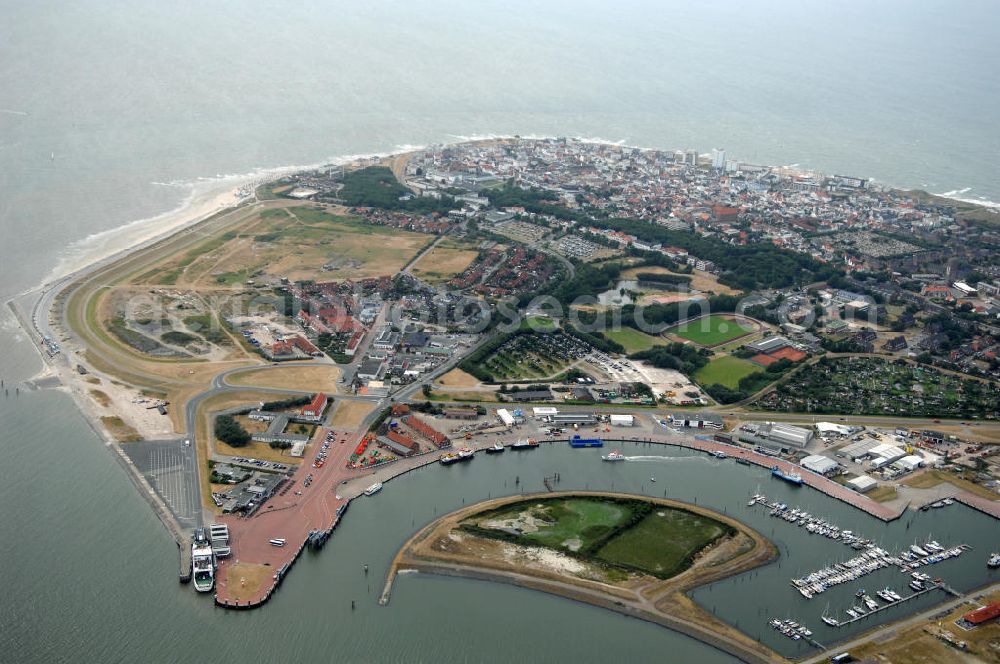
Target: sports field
column 726, row 370
column 710, row 331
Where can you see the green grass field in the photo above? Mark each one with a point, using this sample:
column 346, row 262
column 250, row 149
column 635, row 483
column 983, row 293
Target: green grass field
column 709, row 331
column 663, row 543
column 633, row 340
column 726, row 370
column 568, row 524
column 624, row 534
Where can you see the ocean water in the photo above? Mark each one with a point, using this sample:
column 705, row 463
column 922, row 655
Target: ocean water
column 116, row 111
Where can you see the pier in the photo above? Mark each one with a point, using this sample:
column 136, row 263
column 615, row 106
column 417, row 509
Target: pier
column 184, row 561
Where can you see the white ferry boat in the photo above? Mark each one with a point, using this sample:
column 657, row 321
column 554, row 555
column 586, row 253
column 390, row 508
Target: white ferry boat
column 613, row 456
column 373, row 489
column 202, row 565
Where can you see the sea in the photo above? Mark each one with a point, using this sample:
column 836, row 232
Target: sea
column 114, row 113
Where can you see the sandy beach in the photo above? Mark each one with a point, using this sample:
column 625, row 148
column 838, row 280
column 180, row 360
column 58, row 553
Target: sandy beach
column 199, row 206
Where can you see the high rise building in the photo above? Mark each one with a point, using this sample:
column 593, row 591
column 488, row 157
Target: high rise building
column 718, row 159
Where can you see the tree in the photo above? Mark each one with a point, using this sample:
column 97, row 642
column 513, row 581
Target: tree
column 231, row 432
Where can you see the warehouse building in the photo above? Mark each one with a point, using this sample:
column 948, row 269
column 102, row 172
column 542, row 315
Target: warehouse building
column 858, row 450
column 696, row 420
column 909, row 463
column 820, row 464
column 505, row 417
column 788, row 435
column 862, row 484
column 888, row 452
column 563, row 419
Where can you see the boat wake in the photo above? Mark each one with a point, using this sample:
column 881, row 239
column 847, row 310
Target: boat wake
column 669, row 459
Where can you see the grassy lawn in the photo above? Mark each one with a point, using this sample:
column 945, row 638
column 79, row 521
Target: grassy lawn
column 584, row 521
column 709, row 331
column 633, row 340
column 539, row 324
column 290, row 377
column 932, row 478
column 626, row 534
column 298, row 242
column 882, row 494
column 121, row 432
column 726, row 370
column 664, row 543
column 444, row 261
column 569, row 524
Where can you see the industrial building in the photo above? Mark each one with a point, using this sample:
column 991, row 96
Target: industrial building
column 582, row 419
column 622, row 420
column 276, row 433
column 820, row 464
column 909, row 463
column 862, row 484
column 505, row 417
column 696, row 420
column 786, row 434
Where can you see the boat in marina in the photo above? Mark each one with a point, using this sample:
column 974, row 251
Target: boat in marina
column 790, row 628
column 718, row 454
column 993, row 561
column 613, row 456
column 495, row 448
column 579, row 441
column 790, row 477
column 525, row 444
column 464, row 454
column 373, row 489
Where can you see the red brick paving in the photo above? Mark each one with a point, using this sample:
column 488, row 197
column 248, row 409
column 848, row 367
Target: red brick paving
column 288, row 516
column 991, row 507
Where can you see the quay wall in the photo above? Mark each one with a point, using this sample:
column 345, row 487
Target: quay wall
column 824, row 485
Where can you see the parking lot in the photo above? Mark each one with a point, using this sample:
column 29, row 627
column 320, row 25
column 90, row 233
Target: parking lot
column 170, row 467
